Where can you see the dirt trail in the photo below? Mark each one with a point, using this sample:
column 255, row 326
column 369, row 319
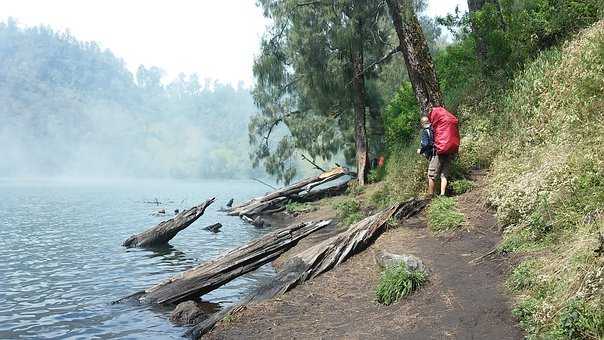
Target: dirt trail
column 461, row 301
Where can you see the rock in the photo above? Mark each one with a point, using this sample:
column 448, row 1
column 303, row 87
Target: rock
column 215, row 228
column 176, row 211
column 385, row 259
column 187, row 313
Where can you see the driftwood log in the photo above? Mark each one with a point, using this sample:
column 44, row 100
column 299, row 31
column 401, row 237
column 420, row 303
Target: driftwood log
column 166, row 230
column 277, row 199
column 319, row 258
column 215, row 273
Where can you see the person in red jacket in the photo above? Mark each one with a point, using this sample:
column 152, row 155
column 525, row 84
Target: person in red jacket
column 439, row 143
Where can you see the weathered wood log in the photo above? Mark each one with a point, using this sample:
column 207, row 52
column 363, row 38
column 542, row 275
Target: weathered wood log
column 319, row 259
column 256, row 222
column 166, row 230
column 215, row 273
column 278, row 198
column 315, row 195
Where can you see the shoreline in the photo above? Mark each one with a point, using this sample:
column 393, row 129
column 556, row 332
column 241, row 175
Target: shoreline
column 461, row 300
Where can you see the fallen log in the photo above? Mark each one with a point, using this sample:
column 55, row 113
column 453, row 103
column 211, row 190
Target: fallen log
column 315, row 195
column 215, row 273
column 278, row 198
column 337, row 249
column 319, row 259
column 166, row 230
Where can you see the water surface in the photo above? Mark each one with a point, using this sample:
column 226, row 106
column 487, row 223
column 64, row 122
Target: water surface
column 61, row 263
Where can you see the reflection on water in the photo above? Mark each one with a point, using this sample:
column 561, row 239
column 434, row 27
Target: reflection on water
column 61, row 260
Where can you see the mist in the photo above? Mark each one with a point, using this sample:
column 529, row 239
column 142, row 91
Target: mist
column 72, row 109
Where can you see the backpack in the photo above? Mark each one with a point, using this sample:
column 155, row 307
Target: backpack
column 446, row 133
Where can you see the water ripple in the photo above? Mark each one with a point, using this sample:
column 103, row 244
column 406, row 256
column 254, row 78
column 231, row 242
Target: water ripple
column 61, row 261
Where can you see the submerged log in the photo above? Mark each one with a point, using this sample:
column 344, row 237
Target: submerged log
column 166, row 230
column 319, row 259
column 214, row 227
column 278, row 198
column 215, row 273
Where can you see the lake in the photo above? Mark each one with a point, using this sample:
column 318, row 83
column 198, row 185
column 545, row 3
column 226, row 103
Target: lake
column 62, row 263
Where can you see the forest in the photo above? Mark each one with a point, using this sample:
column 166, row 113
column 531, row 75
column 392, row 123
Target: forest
column 72, row 109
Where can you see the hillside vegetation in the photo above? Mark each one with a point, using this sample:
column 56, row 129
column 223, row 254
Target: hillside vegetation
column 541, row 136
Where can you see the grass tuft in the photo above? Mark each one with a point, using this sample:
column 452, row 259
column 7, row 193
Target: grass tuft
column 295, row 207
column 348, row 211
column 398, row 282
column 461, row 186
column 443, row 215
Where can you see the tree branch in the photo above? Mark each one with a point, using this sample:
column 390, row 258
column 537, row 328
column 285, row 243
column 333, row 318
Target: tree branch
column 312, row 162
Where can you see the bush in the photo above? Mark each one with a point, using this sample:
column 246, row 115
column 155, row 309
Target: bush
column 461, row 186
column 398, row 282
column 443, row 215
column 348, row 211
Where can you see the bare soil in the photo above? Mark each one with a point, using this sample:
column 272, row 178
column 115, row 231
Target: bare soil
column 463, row 299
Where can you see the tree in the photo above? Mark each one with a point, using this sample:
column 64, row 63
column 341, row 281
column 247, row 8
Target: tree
column 481, row 26
column 416, row 54
column 311, row 72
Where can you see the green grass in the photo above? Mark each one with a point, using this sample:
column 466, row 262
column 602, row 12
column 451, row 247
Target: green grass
column 461, row 186
column 348, row 211
column 398, row 282
column 295, row 207
column 443, row 215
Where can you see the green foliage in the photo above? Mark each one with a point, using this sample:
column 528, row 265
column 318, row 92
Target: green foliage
column 304, row 79
column 397, row 282
column 401, row 117
column 443, row 215
column 541, row 136
column 523, row 276
column 581, row 321
column 377, row 174
column 348, row 211
column 354, row 188
column 461, row 186
column 405, row 173
column 295, row 207
column 380, row 197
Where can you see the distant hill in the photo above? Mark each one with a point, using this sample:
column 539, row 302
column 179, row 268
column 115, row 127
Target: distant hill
column 71, row 108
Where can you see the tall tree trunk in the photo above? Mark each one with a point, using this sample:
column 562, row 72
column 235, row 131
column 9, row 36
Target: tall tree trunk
column 358, row 84
column 482, row 47
column 417, row 55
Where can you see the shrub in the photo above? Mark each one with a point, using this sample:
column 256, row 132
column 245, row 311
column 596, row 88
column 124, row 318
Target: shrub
column 443, row 215
column 348, row 211
column 398, row 282
column 461, row 186
column 579, row 321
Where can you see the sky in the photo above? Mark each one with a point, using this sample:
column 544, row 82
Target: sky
column 216, row 39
